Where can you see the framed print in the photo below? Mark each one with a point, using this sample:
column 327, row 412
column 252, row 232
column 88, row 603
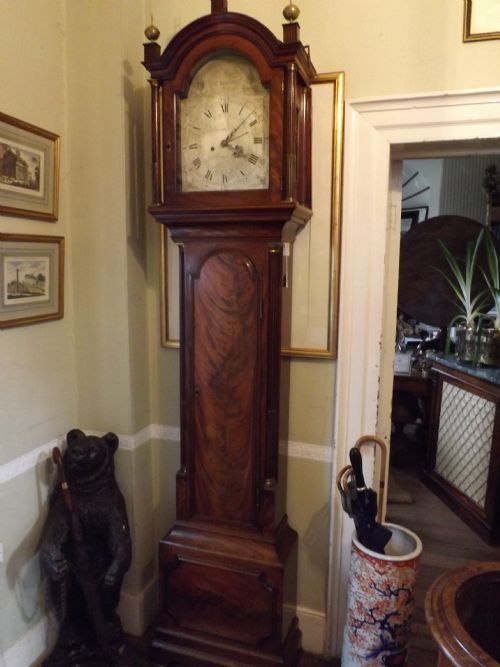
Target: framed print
column 31, row 279
column 481, row 20
column 310, row 302
column 29, row 170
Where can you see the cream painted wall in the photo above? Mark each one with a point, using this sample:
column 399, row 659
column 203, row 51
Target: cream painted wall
column 38, row 383
column 106, row 184
column 77, row 72
column 384, row 46
column 39, row 400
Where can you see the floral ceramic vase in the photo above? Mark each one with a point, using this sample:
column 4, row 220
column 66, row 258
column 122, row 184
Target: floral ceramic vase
column 380, row 601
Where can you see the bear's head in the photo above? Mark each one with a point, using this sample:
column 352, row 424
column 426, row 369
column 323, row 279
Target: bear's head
column 89, row 460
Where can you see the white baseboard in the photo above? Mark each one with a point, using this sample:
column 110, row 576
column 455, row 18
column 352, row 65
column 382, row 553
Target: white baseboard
column 33, row 646
column 137, row 612
column 312, row 625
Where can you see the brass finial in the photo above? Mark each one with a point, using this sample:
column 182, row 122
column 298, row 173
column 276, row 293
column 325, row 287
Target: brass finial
column 152, row 33
column 291, row 12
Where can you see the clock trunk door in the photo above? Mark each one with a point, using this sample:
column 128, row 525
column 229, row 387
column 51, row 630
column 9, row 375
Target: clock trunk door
column 224, row 361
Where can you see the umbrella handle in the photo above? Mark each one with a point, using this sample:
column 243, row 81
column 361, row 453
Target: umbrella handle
column 364, row 439
column 357, row 466
column 341, row 477
column 346, row 496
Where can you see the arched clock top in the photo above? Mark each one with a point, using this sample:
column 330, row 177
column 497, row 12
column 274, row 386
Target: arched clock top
column 214, row 48
column 247, row 36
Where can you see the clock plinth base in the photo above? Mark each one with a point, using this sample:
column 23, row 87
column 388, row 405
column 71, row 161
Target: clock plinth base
column 171, row 647
column 221, row 598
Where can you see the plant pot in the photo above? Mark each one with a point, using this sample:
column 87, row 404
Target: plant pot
column 477, row 348
column 490, row 347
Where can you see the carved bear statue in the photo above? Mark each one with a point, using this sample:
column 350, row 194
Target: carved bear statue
column 98, row 507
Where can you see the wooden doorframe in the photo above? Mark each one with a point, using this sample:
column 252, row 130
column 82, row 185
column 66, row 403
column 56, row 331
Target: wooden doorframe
column 378, row 134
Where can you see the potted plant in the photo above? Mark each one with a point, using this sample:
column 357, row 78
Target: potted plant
column 472, row 336
column 491, row 353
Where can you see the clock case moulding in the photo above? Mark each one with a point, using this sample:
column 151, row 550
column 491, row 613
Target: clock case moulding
column 229, row 562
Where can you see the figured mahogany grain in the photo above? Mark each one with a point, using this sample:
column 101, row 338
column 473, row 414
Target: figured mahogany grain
column 225, row 347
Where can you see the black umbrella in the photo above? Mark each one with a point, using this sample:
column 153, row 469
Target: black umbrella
column 360, row 503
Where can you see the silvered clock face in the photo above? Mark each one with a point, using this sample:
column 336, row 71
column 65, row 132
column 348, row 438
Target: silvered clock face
column 224, row 128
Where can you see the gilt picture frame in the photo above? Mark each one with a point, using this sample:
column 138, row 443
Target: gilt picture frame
column 481, row 20
column 31, row 279
column 310, row 302
column 29, row 170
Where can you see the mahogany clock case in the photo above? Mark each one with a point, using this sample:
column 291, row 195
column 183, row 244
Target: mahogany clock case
column 229, row 559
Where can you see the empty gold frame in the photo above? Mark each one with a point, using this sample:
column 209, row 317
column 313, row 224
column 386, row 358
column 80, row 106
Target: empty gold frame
column 481, row 20
column 310, row 303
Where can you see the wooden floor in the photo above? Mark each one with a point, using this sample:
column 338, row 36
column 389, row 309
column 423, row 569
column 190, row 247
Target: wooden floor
column 447, row 543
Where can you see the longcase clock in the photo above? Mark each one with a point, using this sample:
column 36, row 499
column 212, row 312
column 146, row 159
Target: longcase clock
column 231, row 139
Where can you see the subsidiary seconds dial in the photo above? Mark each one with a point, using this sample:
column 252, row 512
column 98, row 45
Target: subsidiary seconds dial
column 224, row 128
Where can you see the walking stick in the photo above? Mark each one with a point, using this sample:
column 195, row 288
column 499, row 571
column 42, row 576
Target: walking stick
column 89, row 588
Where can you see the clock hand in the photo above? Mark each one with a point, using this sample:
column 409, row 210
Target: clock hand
column 225, row 143
column 239, row 135
column 230, row 135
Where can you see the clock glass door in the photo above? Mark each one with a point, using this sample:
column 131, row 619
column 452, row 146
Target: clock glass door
column 224, row 128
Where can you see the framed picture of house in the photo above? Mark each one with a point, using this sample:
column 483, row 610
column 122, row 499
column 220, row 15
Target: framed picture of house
column 29, row 170
column 31, row 279
column 481, row 20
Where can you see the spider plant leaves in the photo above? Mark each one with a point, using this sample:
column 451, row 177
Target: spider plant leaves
column 492, row 278
column 461, row 281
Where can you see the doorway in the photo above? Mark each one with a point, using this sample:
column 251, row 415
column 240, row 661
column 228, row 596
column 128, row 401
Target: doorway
column 446, row 198
column 450, row 187
column 379, row 135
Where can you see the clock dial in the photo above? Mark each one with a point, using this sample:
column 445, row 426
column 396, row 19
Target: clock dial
column 224, row 128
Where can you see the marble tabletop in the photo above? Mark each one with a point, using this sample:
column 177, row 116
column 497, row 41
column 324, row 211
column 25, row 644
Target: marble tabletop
column 486, row 373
